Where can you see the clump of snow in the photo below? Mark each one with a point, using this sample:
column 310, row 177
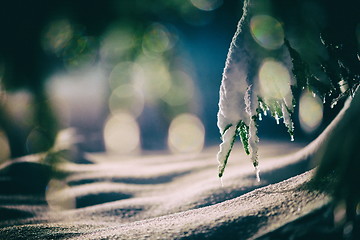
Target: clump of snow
column 251, row 85
column 228, row 139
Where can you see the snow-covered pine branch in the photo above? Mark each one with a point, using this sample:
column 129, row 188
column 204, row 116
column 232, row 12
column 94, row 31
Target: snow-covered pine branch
column 268, row 58
column 252, row 84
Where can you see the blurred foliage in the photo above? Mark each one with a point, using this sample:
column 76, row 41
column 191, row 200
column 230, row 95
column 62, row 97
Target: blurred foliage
column 40, row 38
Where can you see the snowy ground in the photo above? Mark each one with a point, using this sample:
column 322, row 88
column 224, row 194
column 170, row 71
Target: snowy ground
column 156, row 196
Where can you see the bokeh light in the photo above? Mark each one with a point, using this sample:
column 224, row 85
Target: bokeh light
column 124, row 73
column 157, row 39
column 310, row 111
column 66, row 41
column 274, row 79
column 56, row 198
column 181, row 90
column 122, row 134
column 186, row 134
column 57, row 36
column 81, row 51
column 126, row 98
column 117, row 41
column 5, row 148
column 120, row 74
column 267, row 31
column 207, row 5
column 155, row 80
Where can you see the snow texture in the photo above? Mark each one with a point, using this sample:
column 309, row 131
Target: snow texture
column 154, row 197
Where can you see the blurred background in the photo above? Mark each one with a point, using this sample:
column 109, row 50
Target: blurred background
column 130, row 76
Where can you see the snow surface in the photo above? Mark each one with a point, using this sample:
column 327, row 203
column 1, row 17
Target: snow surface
column 158, row 196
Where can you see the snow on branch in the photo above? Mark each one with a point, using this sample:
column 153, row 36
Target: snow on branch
column 263, row 66
column 252, row 85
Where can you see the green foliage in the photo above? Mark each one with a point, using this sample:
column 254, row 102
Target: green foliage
column 341, row 81
column 243, row 132
column 222, row 166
